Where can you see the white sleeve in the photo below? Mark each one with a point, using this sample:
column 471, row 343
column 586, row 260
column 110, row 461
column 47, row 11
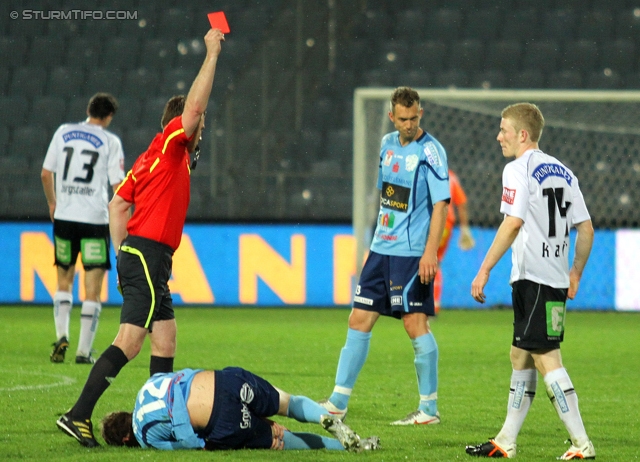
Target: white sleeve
column 580, row 212
column 116, row 160
column 51, row 158
column 515, row 191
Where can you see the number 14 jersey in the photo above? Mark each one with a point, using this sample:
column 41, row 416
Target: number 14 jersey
column 545, row 194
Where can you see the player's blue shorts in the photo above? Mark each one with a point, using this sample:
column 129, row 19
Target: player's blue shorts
column 391, row 286
column 241, row 401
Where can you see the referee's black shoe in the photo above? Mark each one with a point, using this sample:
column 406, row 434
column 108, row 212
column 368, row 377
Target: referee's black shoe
column 82, row 430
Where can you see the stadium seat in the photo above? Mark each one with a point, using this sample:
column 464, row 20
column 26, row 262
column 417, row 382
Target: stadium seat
column 542, row 55
column 372, row 25
column 28, row 81
column 618, row 55
column 579, row 55
column 13, row 110
column 504, row 55
column 176, row 22
column 26, row 27
column 453, row 78
column 103, row 80
column 4, row 80
column 4, row 139
column 595, row 25
column 391, row 55
column 13, row 51
column 443, row 24
column 145, row 24
column 46, row 51
column 66, row 81
column 136, row 141
column 140, row 82
column 428, row 55
column 159, row 53
column 47, row 111
column 567, row 79
column 606, row 80
column 483, row 24
column 340, row 146
column 30, row 142
column 152, row 109
column 176, row 82
column 467, row 55
column 417, row 78
column 66, row 28
column 77, row 109
column 120, row 53
column 237, row 52
column 559, row 24
column 409, row 23
column 128, row 115
column 515, row 20
column 627, row 26
column 83, row 52
column 190, row 55
column 530, row 78
column 493, row 78
column 380, row 78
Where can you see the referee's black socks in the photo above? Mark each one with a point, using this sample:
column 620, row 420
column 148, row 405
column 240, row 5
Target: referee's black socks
column 158, row 364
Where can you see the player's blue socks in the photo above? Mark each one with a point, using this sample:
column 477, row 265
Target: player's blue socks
column 304, row 409
column 352, row 358
column 426, row 362
column 301, row 440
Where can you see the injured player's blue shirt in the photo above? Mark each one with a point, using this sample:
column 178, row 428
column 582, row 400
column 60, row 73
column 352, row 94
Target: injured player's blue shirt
column 160, row 417
column 411, row 180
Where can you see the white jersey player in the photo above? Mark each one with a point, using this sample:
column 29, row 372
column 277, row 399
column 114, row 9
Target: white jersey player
column 83, row 159
column 541, row 201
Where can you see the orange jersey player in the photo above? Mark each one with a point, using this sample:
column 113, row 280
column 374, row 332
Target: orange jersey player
column 459, row 203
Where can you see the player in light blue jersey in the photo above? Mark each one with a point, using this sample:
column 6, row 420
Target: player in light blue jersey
column 223, row 409
column 397, row 277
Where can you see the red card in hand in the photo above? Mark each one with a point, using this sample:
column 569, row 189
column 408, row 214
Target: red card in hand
column 219, row 21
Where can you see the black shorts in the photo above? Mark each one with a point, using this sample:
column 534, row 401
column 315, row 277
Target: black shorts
column 538, row 315
column 241, row 402
column 92, row 241
column 391, row 286
column 144, row 269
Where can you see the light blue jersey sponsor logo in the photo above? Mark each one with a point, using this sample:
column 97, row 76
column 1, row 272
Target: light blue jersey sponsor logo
column 544, row 171
column 84, row 136
column 431, row 152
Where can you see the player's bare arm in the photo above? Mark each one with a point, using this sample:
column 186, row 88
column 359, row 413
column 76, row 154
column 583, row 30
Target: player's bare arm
column 119, row 213
column 48, row 184
column 584, row 242
column 505, row 236
column 198, row 97
column 429, row 260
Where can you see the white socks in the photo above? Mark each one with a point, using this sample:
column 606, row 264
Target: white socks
column 564, row 399
column 88, row 326
column 521, row 394
column 62, row 303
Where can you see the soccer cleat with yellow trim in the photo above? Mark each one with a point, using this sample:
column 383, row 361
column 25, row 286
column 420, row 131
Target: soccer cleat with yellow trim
column 81, row 430
column 332, row 409
column 587, row 451
column 491, row 449
column 59, row 350
column 418, row 417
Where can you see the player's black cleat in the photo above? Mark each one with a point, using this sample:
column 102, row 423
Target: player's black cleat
column 59, row 350
column 491, row 449
column 85, row 359
column 82, row 430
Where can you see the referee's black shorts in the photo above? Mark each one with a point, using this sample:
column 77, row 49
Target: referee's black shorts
column 144, row 269
column 539, row 313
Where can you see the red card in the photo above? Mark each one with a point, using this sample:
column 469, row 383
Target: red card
column 219, row 21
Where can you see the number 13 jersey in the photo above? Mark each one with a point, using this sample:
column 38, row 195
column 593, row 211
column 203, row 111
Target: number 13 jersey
column 86, row 159
column 545, row 194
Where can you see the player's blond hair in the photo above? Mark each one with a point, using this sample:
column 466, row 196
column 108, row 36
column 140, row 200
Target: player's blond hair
column 525, row 116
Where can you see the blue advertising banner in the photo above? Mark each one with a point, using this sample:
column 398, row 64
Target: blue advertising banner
column 279, row 265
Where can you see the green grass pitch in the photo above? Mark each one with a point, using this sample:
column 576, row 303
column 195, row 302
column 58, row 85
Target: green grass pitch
column 297, row 350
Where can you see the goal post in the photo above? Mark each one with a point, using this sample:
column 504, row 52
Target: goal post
column 596, row 133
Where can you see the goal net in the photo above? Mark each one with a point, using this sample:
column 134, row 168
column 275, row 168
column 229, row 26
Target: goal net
column 595, row 133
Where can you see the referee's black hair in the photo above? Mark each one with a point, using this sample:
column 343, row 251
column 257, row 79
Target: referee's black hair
column 102, row 105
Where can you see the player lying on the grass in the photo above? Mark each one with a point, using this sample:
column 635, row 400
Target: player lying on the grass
column 223, row 409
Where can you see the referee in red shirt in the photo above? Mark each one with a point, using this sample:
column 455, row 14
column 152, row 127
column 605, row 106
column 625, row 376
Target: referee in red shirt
column 158, row 186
